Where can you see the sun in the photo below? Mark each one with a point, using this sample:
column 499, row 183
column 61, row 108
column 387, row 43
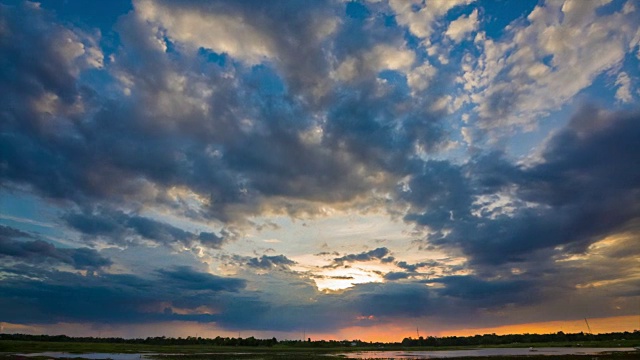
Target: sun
column 340, row 279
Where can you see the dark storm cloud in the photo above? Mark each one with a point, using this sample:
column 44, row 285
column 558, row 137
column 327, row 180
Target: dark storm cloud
column 187, row 278
column 39, row 251
column 120, row 227
column 46, row 296
column 333, row 311
column 365, row 125
column 211, row 240
column 375, row 254
column 268, row 262
column 457, row 297
column 490, row 293
column 49, row 296
column 211, row 137
column 292, row 29
column 422, row 270
column 396, row 275
column 268, row 157
column 36, row 296
column 441, row 190
column 151, row 147
column 250, row 313
column 7, row 232
column 415, row 267
column 31, row 295
column 23, row 74
column 30, row 143
column 585, row 187
column 395, row 300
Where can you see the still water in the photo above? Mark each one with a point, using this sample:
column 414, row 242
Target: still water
column 479, row 352
column 93, row 356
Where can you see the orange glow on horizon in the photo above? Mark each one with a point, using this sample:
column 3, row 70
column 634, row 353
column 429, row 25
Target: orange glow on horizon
column 395, row 333
column 379, row 333
column 598, row 325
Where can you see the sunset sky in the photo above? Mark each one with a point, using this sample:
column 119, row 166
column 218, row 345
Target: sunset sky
column 340, row 169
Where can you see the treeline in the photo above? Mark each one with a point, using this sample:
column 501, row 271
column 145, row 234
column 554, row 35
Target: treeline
column 158, row 340
column 189, row 340
column 329, row 343
column 431, row 341
column 493, row 339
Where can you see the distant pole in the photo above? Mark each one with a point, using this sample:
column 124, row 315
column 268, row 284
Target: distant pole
column 588, row 327
column 304, row 335
column 418, row 332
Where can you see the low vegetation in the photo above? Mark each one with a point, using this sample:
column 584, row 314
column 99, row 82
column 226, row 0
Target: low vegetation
column 614, row 339
column 192, row 348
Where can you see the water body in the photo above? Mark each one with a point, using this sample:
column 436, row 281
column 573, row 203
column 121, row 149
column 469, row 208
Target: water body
column 93, row 356
column 437, row 354
column 479, row 352
column 120, row 356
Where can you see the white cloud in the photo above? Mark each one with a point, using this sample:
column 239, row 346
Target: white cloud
column 389, row 57
column 543, row 63
column 219, row 32
column 380, row 57
column 441, row 103
column 462, row 26
column 422, row 22
column 78, row 50
column 623, row 93
column 419, row 78
column 467, row 135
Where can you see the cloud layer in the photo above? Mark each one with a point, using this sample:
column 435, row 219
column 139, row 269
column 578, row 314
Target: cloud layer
column 173, row 140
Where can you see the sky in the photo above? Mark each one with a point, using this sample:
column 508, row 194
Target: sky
column 334, row 169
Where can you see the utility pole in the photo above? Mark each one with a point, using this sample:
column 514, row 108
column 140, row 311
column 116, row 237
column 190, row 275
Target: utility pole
column 588, row 327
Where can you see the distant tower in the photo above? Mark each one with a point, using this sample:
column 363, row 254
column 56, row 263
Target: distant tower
column 418, row 332
column 588, row 327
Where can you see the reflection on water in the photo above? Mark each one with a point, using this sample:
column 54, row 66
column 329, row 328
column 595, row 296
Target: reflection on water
column 93, row 356
column 122, row 356
column 478, row 352
column 374, row 354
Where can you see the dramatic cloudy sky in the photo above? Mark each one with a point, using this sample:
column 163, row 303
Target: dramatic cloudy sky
column 337, row 168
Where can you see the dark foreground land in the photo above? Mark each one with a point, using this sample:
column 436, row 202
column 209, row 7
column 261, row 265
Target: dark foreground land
column 325, row 356
column 14, row 347
column 307, row 355
column 12, row 350
column 26, row 347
